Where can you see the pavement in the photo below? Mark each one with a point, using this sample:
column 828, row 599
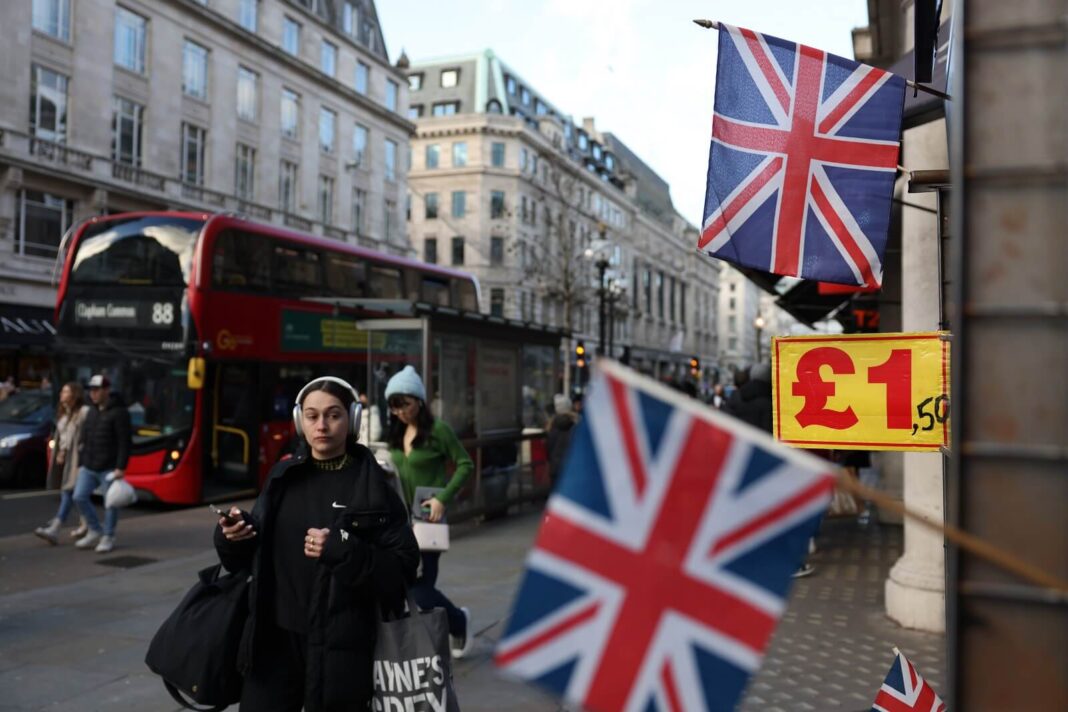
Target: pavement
column 73, row 630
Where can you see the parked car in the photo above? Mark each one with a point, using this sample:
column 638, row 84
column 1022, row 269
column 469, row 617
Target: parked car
column 25, row 427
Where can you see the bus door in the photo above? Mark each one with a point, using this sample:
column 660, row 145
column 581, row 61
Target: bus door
column 232, row 451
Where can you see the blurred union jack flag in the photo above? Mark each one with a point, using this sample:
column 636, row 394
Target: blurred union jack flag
column 665, row 555
column 906, row 691
column 801, row 169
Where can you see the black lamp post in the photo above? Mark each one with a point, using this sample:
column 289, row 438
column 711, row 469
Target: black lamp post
column 602, row 265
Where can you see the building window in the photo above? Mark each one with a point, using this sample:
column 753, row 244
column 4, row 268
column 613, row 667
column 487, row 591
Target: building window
column 509, row 83
column 130, row 40
column 359, row 210
column 248, row 14
column 127, row 125
column 326, row 200
column 459, row 154
column 682, row 303
column 359, row 144
column 391, row 219
column 328, row 59
column 497, row 155
column 52, row 17
column 350, row 20
column 524, row 96
column 392, row 90
column 660, row 294
column 540, row 108
column 415, row 111
column 327, row 130
column 193, row 144
column 288, row 174
column 732, row 343
column 647, row 282
column 247, row 99
column 290, row 113
column 497, row 204
column 431, row 202
column 48, row 105
column 445, row 108
column 245, row 172
column 391, row 159
column 583, row 141
column 430, row 250
column 363, row 76
column 291, row 36
column 433, row 153
column 41, row 221
column 449, row 78
column 195, row 70
column 496, row 251
column 415, row 81
column 457, row 250
column 496, row 302
column 459, row 203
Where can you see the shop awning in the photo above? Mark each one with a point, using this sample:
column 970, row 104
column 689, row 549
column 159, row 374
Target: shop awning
column 22, row 325
column 921, row 107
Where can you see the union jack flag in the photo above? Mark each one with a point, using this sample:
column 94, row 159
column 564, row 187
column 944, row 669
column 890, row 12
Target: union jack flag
column 906, row 691
column 664, row 559
column 804, row 152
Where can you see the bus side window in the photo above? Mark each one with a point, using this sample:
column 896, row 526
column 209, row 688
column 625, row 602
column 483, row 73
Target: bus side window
column 297, row 271
column 465, row 297
column 241, row 261
column 346, row 276
column 385, row 283
column 435, row 291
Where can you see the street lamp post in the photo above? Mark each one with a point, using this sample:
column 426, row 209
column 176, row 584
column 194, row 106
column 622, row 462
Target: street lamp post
column 759, row 324
column 602, row 265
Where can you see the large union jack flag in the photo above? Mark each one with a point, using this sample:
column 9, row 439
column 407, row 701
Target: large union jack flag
column 665, row 555
column 905, row 690
column 804, row 152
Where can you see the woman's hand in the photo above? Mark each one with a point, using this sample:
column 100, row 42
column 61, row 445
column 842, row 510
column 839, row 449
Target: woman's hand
column 61, row 457
column 239, row 531
column 314, row 542
column 437, row 509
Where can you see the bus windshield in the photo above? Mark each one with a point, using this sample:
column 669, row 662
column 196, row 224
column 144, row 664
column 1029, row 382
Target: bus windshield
column 153, row 390
column 151, row 250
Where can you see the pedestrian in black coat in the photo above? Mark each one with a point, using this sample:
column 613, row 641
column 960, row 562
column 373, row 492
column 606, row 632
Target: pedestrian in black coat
column 327, row 544
column 751, row 400
column 558, row 437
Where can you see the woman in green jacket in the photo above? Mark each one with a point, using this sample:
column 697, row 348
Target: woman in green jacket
column 422, row 447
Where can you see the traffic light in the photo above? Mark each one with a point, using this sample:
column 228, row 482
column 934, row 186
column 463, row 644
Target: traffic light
column 580, row 355
column 695, row 366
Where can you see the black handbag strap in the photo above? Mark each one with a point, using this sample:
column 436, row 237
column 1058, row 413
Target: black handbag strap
column 177, row 695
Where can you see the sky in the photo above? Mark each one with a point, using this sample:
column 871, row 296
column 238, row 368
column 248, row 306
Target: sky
column 641, row 68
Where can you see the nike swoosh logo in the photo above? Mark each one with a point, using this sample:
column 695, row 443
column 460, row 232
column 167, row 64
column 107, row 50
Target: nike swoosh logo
column 335, row 505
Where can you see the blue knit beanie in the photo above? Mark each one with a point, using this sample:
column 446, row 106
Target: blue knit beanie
column 406, row 382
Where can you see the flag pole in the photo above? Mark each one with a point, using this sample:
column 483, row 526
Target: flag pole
column 964, row 540
column 713, row 25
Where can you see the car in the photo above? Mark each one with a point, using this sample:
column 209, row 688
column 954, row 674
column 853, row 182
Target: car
column 25, row 428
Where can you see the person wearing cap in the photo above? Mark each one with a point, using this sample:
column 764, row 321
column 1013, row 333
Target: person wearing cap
column 558, row 437
column 105, row 449
column 422, row 447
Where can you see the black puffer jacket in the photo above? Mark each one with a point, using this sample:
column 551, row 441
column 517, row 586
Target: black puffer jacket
column 371, row 563
column 558, row 440
column 105, row 438
column 751, row 402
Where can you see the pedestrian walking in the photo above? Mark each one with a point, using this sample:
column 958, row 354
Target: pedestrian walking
column 105, row 450
column 70, row 415
column 327, row 545
column 422, row 448
column 558, row 438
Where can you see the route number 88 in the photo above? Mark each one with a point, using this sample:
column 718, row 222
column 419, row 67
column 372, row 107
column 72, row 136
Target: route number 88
column 162, row 313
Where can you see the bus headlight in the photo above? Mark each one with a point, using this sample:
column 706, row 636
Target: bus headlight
column 170, row 460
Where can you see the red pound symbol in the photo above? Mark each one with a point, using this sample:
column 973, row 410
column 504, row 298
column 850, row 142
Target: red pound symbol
column 811, row 386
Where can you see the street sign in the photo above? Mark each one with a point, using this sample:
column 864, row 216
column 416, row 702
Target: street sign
column 862, row 391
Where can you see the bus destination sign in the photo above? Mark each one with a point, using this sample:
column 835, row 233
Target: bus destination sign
column 123, row 313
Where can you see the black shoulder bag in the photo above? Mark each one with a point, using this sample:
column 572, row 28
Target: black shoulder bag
column 195, row 650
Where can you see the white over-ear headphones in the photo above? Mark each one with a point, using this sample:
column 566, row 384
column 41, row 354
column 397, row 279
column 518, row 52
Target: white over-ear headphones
column 355, row 410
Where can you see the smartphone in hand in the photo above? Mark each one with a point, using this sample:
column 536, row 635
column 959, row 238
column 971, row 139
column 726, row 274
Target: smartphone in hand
column 225, row 514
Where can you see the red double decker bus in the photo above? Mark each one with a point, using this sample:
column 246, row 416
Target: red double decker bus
column 208, row 325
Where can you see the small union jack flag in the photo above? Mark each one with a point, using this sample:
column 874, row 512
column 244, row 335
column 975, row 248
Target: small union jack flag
column 803, row 159
column 665, row 556
column 906, row 691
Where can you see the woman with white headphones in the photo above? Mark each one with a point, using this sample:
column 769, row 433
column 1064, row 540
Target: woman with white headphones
column 327, row 543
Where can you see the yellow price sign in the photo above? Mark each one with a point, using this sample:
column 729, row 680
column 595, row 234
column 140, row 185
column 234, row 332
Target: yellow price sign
column 862, row 391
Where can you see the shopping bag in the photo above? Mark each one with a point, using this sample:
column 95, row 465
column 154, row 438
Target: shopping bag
column 195, row 650
column 431, row 536
column 412, row 664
